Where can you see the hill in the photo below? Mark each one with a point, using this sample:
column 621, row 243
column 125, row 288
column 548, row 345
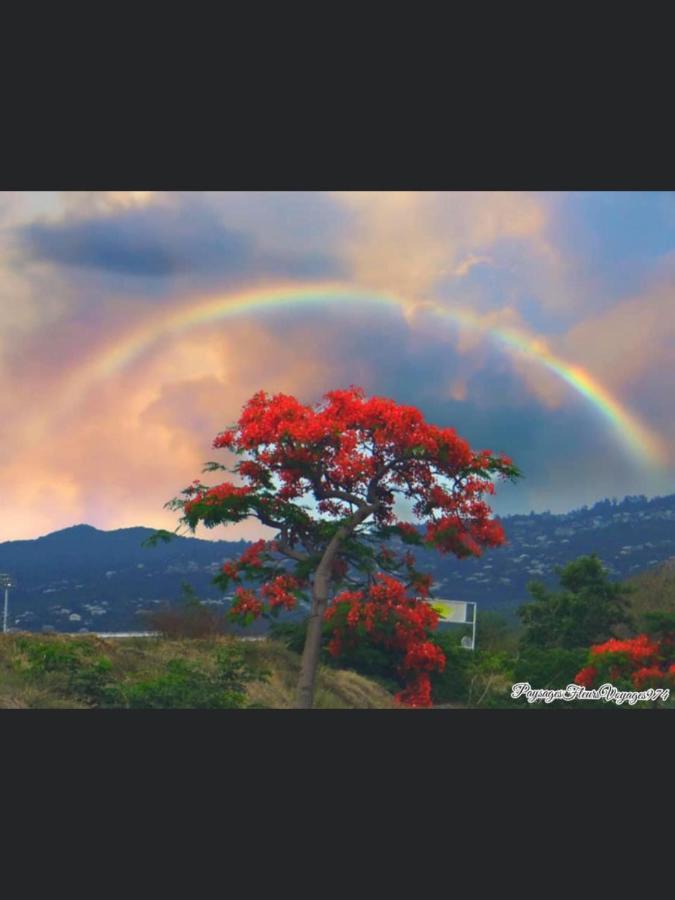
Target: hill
column 82, row 578
column 630, row 537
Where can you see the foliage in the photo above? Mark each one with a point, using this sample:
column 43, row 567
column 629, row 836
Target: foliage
column 189, row 618
column 490, row 676
column 53, row 656
column 374, row 660
column 218, row 682
column 555, row 667
column 495, row 632
column 452, row 683
column 187, row 685
column 587, row 609
column 387, row 617
column 658, row 624
column 118, row 665
column 87, row 676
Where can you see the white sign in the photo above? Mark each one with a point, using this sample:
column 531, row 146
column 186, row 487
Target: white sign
column 460, row 612
column 453, row 611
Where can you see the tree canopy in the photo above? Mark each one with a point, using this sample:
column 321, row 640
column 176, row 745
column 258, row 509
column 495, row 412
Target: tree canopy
column 327, row 479
column 585, row 611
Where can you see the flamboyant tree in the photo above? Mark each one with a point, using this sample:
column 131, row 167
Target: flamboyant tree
column 326, row 478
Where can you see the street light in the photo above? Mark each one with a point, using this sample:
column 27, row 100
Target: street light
column 6, row 582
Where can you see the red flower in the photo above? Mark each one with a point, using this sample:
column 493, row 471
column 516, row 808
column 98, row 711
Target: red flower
column 251, row 556
column 639, row 648
column 230, row 569
column 396, row 621
column 246, row 602
column 278, row 591
column 418, row 693
column 586, row 677
column 651, row 676
column 640, row 660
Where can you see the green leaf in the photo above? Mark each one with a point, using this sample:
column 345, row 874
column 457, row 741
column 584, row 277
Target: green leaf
column 161, row 535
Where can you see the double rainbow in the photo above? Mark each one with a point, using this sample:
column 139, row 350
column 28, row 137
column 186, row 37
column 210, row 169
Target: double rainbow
column 642, row 444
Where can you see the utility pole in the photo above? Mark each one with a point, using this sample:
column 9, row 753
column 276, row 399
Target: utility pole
column 6, row 582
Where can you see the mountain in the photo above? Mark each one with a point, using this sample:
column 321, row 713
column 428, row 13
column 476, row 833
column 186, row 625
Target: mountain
column 82, row 578
column 629, row 537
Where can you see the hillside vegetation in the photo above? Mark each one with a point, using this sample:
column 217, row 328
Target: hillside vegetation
column 654, row 590
column 85, row 672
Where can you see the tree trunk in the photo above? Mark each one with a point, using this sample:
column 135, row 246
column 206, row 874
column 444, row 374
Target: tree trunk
column 310, row 655
column 312, row 648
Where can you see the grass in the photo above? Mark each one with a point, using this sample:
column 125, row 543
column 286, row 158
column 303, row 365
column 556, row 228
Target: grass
column 42, row 671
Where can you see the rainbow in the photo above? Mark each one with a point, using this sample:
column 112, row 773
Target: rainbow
column 642, row 444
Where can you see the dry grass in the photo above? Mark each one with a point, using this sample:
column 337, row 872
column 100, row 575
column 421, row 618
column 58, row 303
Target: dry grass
column 147, row 657
column 335, row 689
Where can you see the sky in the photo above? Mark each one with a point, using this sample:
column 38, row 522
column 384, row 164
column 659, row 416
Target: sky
column 134, row 325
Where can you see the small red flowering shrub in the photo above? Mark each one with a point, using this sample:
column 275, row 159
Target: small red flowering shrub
column 634, row 664
column 386, row 615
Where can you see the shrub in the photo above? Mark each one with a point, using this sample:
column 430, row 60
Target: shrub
column 634, row 664
column 53, row 655
column 293, row 635
column 188, row 618
column 553, row 668
column 187, row 685
column 453, row 682
column 95, row 684
column 87, row 676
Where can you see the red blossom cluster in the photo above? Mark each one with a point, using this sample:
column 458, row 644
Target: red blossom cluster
column 348, row 441
column 635, row 663
column 246, row 603
column 278, row 591
column 637, row 649
column 390, row 618
column 251, row 556
column 249, row 559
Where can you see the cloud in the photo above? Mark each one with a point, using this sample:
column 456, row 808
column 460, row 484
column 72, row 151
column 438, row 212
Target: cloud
column 410, row 242
column 175, row 236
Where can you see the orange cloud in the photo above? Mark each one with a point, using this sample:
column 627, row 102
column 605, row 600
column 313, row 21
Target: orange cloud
column 137, row 439
column 407, row 241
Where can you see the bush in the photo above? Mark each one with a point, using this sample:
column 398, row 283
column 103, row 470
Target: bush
column 187, row 685
column 554, row 668
column 453, row 682
column 95, row 684
column 87, row 676
column 292, row 635
column 188, row 618
column 53, row 655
